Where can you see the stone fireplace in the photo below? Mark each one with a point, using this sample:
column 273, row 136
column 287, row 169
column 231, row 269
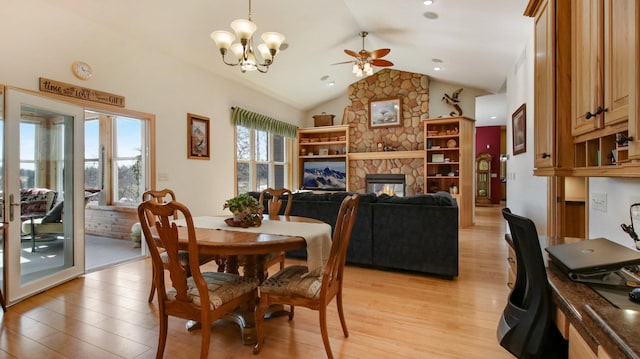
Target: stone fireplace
column 391, row 184
column 405, row 155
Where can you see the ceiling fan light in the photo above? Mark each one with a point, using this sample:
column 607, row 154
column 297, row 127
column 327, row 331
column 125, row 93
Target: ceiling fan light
column 223, row 39
column 273, row 40
column 243, row 28
column 369, row 71
column 359, row 72
column 355, row 68
column 366, row 67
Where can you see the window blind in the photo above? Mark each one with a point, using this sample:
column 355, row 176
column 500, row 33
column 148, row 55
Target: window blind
column 250, row 119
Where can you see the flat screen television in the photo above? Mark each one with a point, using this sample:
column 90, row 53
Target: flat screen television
column 325, row 175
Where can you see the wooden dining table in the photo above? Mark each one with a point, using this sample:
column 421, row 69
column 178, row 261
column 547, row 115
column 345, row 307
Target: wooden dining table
column 215, row 238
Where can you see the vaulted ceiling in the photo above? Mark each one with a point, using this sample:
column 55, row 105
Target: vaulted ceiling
column 477, row 41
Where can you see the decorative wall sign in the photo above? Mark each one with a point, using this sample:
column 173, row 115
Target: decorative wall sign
column 198, row 137
column 79, row 92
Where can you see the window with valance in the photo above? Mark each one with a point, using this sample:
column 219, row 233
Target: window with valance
column 262, row 151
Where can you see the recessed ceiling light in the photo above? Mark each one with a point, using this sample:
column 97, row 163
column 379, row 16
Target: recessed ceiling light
column 430, row 15
column 493, row 117
column 437, row 68
column 428, row 2
column 331, row 83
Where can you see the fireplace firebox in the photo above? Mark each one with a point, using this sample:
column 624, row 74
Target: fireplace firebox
column 391, row 184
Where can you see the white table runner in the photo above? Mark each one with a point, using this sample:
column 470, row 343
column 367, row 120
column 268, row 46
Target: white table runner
column 317, row 236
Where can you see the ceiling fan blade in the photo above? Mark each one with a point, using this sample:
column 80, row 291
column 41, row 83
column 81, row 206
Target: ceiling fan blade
column 376, row 54
column 352, row 53
column 381, row 63
column 344, row 62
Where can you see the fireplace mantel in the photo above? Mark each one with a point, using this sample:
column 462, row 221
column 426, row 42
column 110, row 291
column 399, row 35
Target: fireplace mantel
column 387, row 155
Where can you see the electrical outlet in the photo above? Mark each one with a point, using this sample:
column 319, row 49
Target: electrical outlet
column 599, row 201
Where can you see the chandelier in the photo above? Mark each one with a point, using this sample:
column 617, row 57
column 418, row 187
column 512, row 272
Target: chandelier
column 243, row 52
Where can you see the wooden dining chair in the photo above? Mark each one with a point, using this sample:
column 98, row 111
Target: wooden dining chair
column 274, row 205
column 290, row 287
column 202, row 297
column 163, row 196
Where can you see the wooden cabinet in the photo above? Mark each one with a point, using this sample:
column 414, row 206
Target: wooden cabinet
column 602, row 58
column 326, row 144
column 586, row 65
column 604, row 106
column 449, row 161
column 551, row 111
column 579, row 349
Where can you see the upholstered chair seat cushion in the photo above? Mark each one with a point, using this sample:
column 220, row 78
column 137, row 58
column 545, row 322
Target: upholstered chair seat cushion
column 41, row 227
column 223, row 287
column 184, row 258
column 290, row 282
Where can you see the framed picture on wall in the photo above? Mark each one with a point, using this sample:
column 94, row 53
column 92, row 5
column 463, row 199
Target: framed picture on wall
column 198, row 140
column 385, row 113
column 519, row 127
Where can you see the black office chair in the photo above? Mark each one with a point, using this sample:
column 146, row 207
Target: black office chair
column 526, row 328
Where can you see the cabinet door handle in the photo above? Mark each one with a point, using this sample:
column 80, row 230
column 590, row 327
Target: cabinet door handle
column 600, row 110
column 545, row 155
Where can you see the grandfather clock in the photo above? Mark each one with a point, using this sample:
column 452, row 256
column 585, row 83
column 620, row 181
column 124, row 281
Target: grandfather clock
column 483, row 179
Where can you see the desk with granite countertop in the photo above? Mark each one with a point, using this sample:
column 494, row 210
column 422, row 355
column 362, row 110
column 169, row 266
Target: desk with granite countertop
column 601, row 325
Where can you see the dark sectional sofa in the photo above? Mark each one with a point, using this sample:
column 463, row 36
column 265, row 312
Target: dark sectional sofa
column 417, row 233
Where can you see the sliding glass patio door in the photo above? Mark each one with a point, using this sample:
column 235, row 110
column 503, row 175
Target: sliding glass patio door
column 43, row 182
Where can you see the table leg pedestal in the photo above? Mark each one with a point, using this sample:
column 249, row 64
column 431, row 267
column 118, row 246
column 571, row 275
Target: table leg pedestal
column 244, row 319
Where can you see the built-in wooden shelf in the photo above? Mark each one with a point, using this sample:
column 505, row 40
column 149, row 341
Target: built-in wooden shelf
column 387, row 155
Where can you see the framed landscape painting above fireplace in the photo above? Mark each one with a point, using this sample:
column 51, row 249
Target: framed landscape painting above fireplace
column 385, row 113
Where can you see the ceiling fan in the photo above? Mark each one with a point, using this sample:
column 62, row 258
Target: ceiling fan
column 364, row 61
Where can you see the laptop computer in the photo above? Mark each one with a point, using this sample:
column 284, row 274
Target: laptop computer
column 591, row 260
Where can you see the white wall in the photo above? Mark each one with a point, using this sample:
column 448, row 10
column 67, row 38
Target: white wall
column 526, row 194
column 45, row 40
column 437, row 108
column 621, row 193
column 333, row 107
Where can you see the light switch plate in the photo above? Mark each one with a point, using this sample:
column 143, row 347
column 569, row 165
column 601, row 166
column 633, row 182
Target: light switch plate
column 599, row 201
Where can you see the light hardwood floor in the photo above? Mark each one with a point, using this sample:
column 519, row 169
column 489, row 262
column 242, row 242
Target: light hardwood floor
column 105, row 314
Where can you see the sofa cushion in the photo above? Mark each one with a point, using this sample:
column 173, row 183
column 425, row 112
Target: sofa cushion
column 55, row 214
column 438, row 199
column 332, row 196
column 36, row 201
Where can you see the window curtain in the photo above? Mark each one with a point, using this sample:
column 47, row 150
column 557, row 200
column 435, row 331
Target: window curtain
column 249, row 119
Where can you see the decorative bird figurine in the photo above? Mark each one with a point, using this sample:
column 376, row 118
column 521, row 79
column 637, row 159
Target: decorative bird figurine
column 453, row 101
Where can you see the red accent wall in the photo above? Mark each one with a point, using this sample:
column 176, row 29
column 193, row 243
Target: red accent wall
column 488, row 140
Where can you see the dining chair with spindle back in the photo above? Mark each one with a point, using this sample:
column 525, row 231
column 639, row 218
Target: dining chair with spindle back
column 164, row 196
column 290, row 286
column 192, row 295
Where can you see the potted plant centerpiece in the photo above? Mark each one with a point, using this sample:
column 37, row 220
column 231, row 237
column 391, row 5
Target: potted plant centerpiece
column 247, row 211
